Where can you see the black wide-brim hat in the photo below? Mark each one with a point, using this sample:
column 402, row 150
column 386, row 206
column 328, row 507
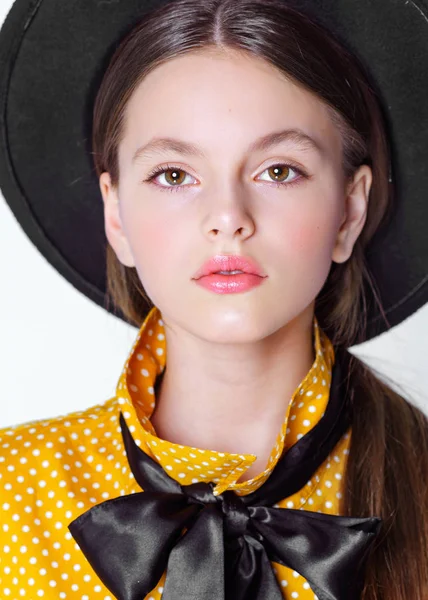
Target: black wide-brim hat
column 53, row 55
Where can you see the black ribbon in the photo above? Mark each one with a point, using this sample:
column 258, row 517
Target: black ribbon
column 220, row 547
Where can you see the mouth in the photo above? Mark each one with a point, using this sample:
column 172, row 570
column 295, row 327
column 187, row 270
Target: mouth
column 229, row 265
column 230, row 282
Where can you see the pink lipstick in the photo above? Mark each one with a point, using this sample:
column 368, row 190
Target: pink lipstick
column 229, row 274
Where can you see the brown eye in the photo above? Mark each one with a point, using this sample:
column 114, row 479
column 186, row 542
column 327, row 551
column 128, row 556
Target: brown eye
column 175, row 178
column 279, row 175
column 279, row 172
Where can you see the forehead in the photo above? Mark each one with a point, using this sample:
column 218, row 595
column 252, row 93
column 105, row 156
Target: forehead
column 222, row 100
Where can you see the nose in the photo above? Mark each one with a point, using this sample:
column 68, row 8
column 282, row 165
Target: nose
column 229, row 219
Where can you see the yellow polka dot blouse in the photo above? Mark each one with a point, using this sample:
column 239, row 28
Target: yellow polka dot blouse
column 53, row 470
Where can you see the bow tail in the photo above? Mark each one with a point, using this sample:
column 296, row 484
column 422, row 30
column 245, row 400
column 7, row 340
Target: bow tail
column 195, row 569
column 126, row 540
column 328, row 550
column 249, row 573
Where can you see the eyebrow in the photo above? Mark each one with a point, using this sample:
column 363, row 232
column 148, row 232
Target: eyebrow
column 165, row 144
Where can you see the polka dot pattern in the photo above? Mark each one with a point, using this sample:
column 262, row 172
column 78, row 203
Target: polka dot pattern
column 53, row 470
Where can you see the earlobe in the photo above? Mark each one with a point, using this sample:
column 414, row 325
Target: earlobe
column 356, row 206
column 113, row 222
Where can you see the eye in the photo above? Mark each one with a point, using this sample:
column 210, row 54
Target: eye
column 171, row 174
column 279, row 175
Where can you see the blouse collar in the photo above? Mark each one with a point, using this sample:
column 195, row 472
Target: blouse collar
column 135, row 392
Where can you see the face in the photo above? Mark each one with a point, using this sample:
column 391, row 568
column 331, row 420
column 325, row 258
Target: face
column 286, row 205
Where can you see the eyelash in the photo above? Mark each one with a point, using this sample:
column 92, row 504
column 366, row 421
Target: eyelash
column 175, row 188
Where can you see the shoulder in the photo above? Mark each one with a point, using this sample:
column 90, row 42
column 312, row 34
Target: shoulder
column 27, row 446
column 38, row 430
column 51, row 471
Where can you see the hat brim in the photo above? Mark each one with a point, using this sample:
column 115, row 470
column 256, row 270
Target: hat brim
column 52, row 59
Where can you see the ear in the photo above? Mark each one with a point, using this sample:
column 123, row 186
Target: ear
column 355, row 213
column 113, row 222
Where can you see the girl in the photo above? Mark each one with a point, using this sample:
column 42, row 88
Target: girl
column 246, row 454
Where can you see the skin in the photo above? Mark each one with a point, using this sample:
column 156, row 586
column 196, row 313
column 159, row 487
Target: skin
column 234, row 360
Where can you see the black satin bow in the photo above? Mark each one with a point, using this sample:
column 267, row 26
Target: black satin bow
column 220, row 547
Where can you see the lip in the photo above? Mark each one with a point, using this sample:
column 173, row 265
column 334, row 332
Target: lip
column 229, row 262
column 230, row 284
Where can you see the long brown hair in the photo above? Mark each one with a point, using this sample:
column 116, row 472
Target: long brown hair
column 387, row 467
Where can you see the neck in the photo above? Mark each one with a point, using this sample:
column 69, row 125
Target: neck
column 232, row 405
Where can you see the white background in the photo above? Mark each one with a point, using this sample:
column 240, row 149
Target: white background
column 59, row 352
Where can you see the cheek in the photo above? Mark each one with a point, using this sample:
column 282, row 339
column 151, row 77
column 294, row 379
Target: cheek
column 310, row 238
column 304, row 258
column 304, row 242
column 152, row 243
column 158, row 245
